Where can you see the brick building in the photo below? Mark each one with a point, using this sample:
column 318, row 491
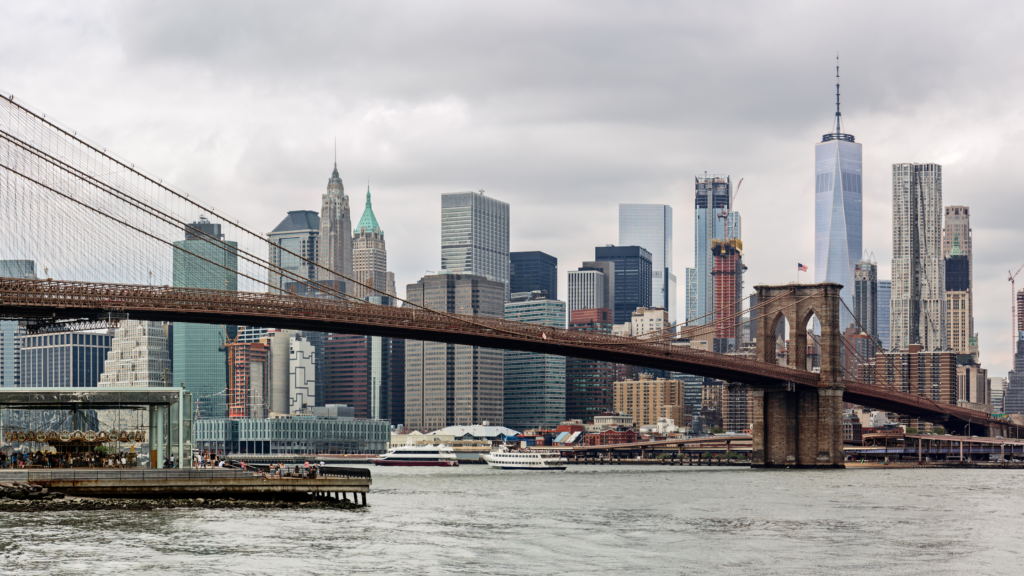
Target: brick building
column 645, row 397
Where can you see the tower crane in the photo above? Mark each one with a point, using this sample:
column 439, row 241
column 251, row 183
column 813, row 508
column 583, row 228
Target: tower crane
column 1013, row 312
column 724, row 213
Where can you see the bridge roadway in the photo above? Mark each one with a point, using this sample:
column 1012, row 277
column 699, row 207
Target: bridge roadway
column 54, row 300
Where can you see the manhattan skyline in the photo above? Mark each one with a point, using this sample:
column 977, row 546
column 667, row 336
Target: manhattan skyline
column 418, row 118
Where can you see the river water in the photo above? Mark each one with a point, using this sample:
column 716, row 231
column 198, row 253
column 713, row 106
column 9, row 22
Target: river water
column 587, row 520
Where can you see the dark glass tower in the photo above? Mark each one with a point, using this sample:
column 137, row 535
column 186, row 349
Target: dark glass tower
column 633, row 278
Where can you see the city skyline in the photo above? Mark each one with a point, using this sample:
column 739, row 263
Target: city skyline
column 386, row 131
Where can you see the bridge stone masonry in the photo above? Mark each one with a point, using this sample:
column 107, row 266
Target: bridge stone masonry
column 795, row 425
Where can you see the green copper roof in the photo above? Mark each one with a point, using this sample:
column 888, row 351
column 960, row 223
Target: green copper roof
column 368, row 221
column 954, row 251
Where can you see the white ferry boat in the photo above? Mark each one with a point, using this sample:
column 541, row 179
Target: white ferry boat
column 418, row 455
column 506, row 459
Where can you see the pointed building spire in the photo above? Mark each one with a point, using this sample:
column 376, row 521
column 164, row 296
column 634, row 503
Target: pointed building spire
column 368, row 223
column 837, row 127
column 839, row 115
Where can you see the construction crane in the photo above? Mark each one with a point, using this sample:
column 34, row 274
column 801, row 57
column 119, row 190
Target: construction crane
column 724, row 213
column 1013, row 313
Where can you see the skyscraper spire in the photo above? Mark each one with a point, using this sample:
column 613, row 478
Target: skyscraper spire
column 837, row 127
column 839, row 115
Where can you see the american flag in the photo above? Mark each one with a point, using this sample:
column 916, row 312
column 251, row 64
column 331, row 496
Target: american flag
column 800, row 267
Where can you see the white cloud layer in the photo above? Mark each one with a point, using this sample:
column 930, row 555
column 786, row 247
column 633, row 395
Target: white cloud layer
column 561, row 109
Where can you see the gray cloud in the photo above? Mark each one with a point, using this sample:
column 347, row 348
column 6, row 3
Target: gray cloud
column 562, row 109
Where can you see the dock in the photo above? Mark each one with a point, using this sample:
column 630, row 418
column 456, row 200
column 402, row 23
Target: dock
column 203, row 483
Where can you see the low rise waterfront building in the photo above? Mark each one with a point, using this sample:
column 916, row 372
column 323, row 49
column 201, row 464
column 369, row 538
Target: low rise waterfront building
column 315, row 432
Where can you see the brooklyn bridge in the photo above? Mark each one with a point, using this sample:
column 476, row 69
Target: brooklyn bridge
column 105, row 232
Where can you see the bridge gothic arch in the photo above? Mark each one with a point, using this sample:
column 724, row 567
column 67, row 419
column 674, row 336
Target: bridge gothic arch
column 794, row 425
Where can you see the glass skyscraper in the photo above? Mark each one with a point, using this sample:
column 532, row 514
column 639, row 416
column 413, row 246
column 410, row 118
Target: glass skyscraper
column 199, row 356
column 534, row 271
column 632, row 278
column 713, row 196
column 838, row 209
column 650, row 226
column 474, row 236
column 296, row 236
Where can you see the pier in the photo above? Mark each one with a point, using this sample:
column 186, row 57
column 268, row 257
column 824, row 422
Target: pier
column 216, row 483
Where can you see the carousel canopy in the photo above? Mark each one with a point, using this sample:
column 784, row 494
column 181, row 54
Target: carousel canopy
column 87, row 398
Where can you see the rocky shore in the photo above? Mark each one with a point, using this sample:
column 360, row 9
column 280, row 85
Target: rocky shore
column 22, row 497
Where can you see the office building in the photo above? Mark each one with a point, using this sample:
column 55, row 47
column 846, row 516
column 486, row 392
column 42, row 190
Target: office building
column 475, row 236
column 65, row 360
column 957, row 230
column 278, row 344
column 454, row 384
column 838, row 209
column 712, row 221
column 972, row 385
column 588, row 383
column 361, row 372
column 335, row 240
column 865, row 297
column 533, row 271
column 645, row 398
column 294, row 248
column 632, row 278
column 865, row 311
column 301, row 375
column 918, row 264
column 996, row 386
column 643, row 321
column 138, row 357
column 592, row 286
column 650, row 226
column 884, row 312
column 200, row 359
column 1013, row 392
column 370, row 256
column 534, row 383
column 959, row 302
column 10, row 330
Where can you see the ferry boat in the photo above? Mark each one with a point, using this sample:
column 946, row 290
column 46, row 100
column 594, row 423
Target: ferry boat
column 418, row 455
column 506, row 459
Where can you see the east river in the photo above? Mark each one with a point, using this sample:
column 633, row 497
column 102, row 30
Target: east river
column 586, row 520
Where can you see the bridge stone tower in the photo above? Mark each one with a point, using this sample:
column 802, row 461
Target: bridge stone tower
column 797, row 426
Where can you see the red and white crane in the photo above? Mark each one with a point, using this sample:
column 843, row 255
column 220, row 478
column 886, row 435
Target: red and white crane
column 1013, row 312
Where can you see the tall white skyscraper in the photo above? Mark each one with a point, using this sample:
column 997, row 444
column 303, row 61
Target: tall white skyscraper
column 918, row 263
column 650, row 226
column 335, row 250
column 475, row 236
column 838, row 221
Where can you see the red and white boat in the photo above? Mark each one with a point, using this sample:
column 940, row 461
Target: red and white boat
column 418, row 455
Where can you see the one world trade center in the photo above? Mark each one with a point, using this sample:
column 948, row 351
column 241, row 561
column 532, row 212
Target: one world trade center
column 837, row 210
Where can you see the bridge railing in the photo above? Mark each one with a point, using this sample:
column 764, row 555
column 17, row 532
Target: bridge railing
column 47, row 295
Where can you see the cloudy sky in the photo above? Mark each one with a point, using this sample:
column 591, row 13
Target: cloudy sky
column 562, row 109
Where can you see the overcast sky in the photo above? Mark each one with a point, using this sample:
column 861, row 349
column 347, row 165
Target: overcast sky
column 561, row 109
